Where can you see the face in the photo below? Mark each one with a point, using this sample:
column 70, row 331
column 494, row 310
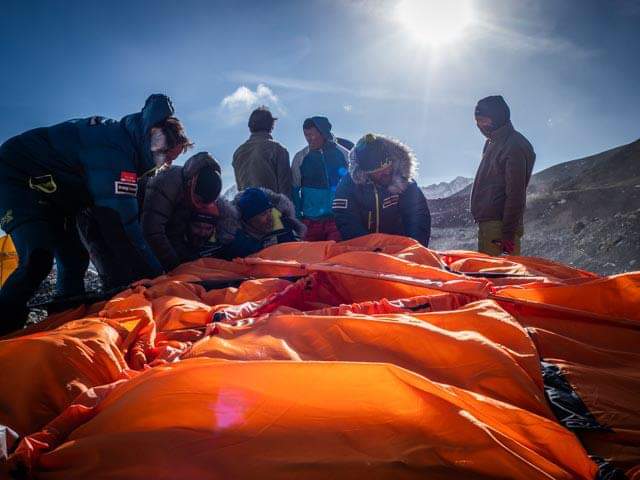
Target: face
column 199, row 233
column 484, row 125
column 314, row 138
column 383, row 177
column 263, row 222
column 161, row 154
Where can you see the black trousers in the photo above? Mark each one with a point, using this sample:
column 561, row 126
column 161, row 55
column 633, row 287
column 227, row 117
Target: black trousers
column 38, row 242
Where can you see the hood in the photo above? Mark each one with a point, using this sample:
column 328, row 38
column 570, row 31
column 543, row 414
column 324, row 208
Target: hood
column 195, row 163
column 157, row 108
column 233, row 222
column 323, row 125
column 405, row 165
column 228, row 221
column 495, row 108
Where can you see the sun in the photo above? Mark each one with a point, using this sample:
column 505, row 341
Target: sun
column 435, row 22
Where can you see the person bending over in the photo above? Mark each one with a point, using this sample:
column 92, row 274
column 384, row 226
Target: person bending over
column 48, row 175
column 380, row 194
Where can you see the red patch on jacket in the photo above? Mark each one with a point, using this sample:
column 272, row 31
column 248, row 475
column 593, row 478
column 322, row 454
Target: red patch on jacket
column 128, row 177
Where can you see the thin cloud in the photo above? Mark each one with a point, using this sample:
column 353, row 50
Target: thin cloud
column 237, row 106
column 360, row 91
column 513, row 40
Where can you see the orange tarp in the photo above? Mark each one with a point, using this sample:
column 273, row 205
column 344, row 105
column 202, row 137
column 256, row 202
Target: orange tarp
column 378, row 361
column 8, row 258
column 600, row 359
column 203, row 419
column 42, row 373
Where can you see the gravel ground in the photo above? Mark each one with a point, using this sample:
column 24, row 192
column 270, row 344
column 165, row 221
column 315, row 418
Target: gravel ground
column 46, row 292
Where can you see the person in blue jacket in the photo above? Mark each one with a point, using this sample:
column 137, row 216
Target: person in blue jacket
column 48, row 175
column 264, row 218
column 380, row 194
column 316, row 171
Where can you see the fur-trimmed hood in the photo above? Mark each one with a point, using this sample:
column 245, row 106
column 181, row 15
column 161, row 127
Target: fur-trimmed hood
column 230, row 219
column 405, row 164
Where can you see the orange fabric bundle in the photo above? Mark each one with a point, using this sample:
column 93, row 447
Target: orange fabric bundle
column 207, row 419
column 600, row 360
column 43, row 372
column 436, row 345
column 373, row 357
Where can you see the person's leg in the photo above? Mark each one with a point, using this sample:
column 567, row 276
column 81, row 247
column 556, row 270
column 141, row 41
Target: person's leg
column 489, row 237
column 34, row 245
column 314, row 230
column 517, row 240
column 103, row 235
column 72, row 259
column 331, row 231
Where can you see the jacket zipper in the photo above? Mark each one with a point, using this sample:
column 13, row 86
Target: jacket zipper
column 326, row 172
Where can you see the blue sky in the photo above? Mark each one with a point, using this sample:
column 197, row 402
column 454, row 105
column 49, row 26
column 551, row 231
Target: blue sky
column 568, row 69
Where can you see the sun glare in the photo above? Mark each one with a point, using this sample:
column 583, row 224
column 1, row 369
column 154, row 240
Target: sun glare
column 435, row 22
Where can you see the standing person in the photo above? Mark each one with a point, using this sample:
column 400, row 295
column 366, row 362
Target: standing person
column 380, row 194
column 499, row 191
column 317, row 170
column 174, row 199
column 47, row 175
column 262, row 162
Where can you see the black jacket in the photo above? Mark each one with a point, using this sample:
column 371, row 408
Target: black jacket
column 167, row 209
column 360, row 207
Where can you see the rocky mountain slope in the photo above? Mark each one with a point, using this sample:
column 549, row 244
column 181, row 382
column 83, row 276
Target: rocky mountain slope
column 230, row 192
column 446, row 189
column 584, row 212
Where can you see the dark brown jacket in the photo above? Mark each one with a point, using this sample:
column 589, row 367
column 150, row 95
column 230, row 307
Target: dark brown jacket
column 262, row 162
column 500, row 187
column 167, row 210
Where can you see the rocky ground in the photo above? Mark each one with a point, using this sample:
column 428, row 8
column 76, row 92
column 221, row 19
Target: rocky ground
column 46, row 292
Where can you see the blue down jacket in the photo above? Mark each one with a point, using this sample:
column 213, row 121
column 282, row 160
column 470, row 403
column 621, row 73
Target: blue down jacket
column 361, row 207
column 79, row 163
column 316, row 175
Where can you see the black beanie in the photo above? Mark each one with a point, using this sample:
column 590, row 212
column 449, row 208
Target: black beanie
column 495, row 108
column 370, row 153
column 208, row 184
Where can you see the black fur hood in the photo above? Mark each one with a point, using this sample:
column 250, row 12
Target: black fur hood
column 405, row 164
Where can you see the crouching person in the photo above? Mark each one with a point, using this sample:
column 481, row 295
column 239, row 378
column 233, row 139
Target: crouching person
column 266, row 218
column 172, row 197
column 380, row 194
